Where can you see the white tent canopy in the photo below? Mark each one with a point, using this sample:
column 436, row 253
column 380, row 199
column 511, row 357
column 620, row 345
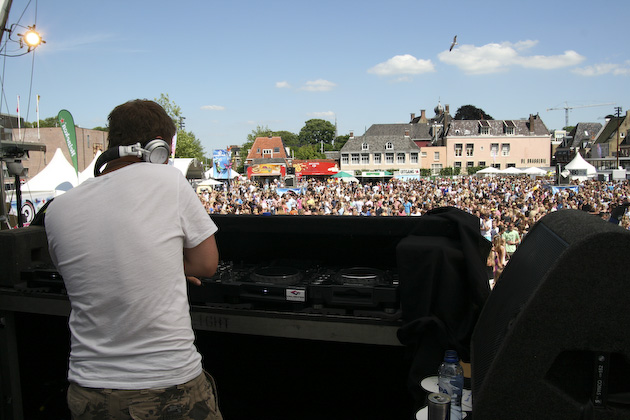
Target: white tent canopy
column 88, row 172
column 190, row 167
column 55, row 176
column 580, row 169
column 489, row 170
column 511, row 171
column 534, row 171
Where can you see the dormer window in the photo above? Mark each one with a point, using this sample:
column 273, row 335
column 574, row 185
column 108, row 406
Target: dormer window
column 389, row 145
column 365, row 146
column 510, row 128
column 484, row 128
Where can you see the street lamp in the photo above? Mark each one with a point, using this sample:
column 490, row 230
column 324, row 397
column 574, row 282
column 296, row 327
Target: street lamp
column 31, row 38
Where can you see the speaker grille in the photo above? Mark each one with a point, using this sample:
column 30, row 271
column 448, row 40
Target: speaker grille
column 522, row 275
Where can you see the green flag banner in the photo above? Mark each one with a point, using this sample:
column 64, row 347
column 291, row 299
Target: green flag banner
column 66, row 122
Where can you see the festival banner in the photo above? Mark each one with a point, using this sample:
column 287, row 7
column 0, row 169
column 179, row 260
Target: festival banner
column 222, row 164
column 66, row 122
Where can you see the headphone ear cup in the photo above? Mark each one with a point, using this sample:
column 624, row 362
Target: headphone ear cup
column 156, row 151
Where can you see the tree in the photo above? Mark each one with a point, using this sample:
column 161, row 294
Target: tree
column 48, row 122
column 340, row 141
column 470, row 112
column 308, row 151
column 188, row 146
column 288, row 138
column 260, row 131
column 316, row 131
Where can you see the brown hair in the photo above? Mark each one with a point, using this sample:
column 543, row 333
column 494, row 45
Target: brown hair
column 139, row 120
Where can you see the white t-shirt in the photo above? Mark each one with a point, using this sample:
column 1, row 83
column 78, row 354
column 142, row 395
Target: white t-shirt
column 118, row 240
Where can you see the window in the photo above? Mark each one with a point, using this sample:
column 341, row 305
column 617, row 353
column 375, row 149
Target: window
column 389, row 145
column 458, row 164
column 470, row 149
column 423, row 154
column 413, row 157
column 365, row 146
column 436, row 156
column 458, row 149
column 355, row 158
column 510, row 128
column 389, row 158
column 494, row 149
column 276, row 150
column 484, row 127
column 266, row 152
column 377, row 158
column 400, row 158
column 436, row 168
column 505, row 149
column 344, row 159
column 496, row 165
column 481, row 163
column 470, row 164
column 365, row 158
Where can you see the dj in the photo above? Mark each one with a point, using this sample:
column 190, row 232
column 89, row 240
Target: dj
column 125, row 242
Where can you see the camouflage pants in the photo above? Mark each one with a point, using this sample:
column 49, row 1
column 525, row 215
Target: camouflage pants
column 194, row 400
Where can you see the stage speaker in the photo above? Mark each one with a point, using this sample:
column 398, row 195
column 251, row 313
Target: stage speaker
column 552, row 341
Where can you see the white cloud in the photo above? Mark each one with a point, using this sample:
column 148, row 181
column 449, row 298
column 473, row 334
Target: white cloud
column 283, row 85
column 319, row 85
column 605, row 68
column 494, row 58
column 322, row 114
column 213, row 107
column 402, row 64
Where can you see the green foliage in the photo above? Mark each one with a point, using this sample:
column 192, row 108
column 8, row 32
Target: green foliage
column 340, row 141
column 260, row 131
column 288, row 138
column 471, row 112
column 171, row 108
column 425, row 172
column 473, row 170
column 188, row 146
column 48, row 122
column 317, row 131
column 309, row 151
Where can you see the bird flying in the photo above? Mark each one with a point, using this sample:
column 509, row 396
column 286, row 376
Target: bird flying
column 454, row 43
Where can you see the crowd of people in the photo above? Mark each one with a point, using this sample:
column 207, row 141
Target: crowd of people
column 498, row 202
column 506, row 206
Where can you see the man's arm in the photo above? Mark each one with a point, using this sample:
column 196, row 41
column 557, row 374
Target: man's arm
column 202, row 260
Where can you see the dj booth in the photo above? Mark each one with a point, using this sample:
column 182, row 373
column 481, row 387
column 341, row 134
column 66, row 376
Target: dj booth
column 301, row 316
column 342, row 317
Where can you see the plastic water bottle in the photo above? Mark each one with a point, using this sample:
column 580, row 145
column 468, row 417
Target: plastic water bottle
column 451, row 382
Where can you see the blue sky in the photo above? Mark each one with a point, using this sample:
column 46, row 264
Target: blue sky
column 234, row 65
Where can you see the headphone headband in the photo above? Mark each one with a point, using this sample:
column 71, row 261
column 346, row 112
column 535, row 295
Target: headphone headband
column 155, row 151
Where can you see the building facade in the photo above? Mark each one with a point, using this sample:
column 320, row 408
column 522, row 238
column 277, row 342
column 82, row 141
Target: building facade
column 442, row 142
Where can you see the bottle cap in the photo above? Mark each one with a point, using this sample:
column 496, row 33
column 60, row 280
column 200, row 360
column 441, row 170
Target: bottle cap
column 451, row 356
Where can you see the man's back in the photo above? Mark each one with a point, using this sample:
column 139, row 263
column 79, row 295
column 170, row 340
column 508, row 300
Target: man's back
column 124, row 274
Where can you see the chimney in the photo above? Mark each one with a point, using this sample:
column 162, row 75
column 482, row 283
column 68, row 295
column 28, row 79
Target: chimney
column 423, row 116
column 446, row 108
column 351, row 134
column 532, row 118
column 406, row 132
column 413, row 116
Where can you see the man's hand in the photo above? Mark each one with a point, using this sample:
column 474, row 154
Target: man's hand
column 193, row 280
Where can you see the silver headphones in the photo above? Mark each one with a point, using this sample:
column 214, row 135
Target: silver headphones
column 155, row 151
